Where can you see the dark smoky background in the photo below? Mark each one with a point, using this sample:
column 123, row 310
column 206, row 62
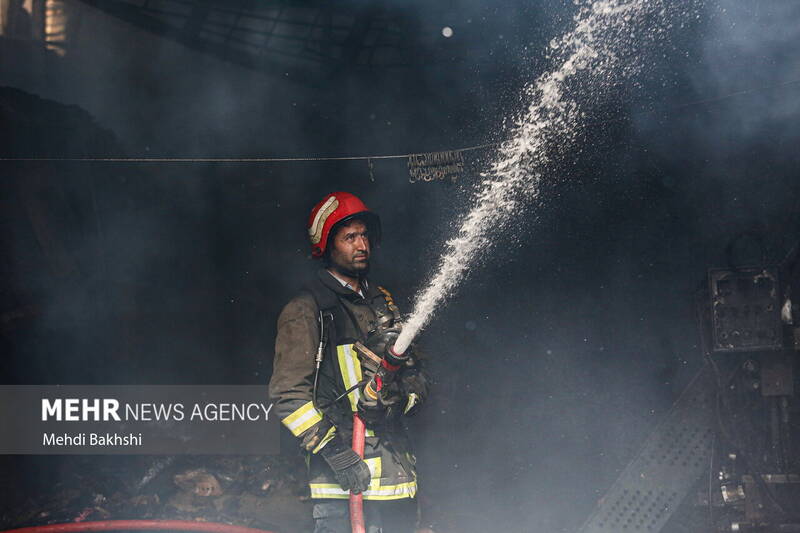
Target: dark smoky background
column 566, row 344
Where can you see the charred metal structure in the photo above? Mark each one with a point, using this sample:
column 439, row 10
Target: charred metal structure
column 309, row 42
column 582, row 381
column 729, row 446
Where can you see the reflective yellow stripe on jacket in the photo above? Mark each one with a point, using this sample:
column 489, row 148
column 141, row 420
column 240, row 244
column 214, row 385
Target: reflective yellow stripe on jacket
column 350, row 367
column 376, row 491
column 302, row 419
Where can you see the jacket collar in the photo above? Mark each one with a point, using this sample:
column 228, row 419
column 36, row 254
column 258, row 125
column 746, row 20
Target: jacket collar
column 333, row 284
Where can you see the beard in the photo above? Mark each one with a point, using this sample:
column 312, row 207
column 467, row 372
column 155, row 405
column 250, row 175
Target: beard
column 352, row 270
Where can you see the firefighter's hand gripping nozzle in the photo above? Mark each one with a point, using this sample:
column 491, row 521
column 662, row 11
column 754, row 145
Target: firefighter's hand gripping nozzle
column 379, row 347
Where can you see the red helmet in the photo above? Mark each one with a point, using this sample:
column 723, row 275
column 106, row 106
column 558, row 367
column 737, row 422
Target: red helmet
column 336, row 208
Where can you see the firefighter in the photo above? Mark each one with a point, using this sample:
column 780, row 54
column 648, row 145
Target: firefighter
column 329, row 344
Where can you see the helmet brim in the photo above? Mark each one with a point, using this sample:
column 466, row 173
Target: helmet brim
column 372, row 221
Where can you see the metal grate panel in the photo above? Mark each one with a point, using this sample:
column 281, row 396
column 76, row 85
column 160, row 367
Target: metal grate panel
column 652, row 486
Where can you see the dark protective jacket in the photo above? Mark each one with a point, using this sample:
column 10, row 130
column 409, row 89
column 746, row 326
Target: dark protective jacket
column 387, row 450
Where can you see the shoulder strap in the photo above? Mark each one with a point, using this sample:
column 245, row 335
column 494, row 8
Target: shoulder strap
column 329, row 306
column 326, row 299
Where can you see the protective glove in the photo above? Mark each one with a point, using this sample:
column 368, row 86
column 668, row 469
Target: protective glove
column 350, row 470
column 387, row 407
column 315, row 435
column 379, row 397
column 414, row 385
column 372, row 412
column 380, row 340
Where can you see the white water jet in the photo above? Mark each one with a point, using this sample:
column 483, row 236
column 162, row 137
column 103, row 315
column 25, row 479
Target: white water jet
column 604, row 31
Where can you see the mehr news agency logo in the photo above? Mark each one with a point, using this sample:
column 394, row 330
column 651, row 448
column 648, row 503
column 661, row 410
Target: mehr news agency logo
column 110, row 410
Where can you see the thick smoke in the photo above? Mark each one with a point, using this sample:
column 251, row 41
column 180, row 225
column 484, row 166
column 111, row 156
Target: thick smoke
column 564, row 347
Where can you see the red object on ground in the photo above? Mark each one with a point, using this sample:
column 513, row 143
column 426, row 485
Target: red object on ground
column 135, row 525
column 357, row 500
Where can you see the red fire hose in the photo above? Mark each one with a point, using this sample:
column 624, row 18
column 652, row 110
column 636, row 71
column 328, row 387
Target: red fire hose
column 390, row 364
column 357, row 500
column 131, row 525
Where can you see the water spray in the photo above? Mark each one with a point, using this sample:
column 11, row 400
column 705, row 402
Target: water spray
column 604, row 30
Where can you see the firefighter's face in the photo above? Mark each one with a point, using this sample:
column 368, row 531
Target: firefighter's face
column 350, row 249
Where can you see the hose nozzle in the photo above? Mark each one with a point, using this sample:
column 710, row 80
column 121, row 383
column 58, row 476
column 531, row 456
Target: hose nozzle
column 392, row 352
